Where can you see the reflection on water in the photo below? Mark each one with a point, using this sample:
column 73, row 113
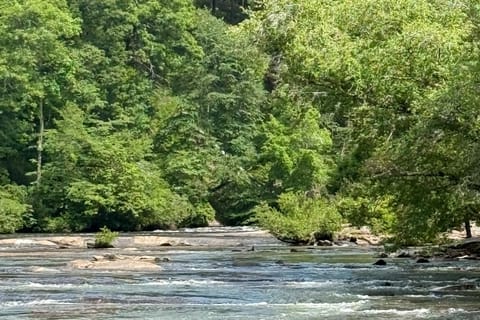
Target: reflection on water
column 268, row 283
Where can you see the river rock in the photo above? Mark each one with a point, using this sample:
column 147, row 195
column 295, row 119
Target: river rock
column 117, row 262
column 404, row 254
column 472, row 246
column 423, row 260
column 37, row 269
column 45, row 242
column 69, row 242
column 324, row 243
column 214, row 223
column 318, row 236
column 380, row 262
column 27, row 243
column 468, row 248
column 153, row 241
column 360, row 236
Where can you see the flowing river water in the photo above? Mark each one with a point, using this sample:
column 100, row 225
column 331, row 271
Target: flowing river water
column 225, row 282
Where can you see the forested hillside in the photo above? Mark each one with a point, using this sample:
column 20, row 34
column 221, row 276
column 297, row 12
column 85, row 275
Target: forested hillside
column 295, row 115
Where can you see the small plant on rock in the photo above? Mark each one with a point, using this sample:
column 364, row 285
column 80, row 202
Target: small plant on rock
column 104, row 238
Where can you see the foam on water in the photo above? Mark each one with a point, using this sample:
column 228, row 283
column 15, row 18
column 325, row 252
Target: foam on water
column 311, row 284
column 190, row 282
column 14, row 304
column 415, row 312
column 47, row 286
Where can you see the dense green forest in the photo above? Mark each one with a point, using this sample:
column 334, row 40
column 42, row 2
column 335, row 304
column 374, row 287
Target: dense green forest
column 296, row 115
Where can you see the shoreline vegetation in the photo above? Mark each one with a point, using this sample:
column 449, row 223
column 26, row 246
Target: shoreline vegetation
column 299, row 118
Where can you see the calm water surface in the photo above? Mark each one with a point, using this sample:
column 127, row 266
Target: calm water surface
column 222, row 283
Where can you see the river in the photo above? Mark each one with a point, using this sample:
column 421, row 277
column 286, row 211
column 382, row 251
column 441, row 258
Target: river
column 226, row 282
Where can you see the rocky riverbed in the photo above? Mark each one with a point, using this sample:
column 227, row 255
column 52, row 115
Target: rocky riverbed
column 200, row 237
column 238, row 273
column 238, row 238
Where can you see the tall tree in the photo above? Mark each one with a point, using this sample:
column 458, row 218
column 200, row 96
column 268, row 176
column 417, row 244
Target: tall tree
column 36, row 67
column 368, row 66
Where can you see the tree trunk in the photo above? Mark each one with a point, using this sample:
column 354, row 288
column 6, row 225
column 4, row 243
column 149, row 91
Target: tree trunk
column 214, row 5
column 41, row 132
column 468, row 228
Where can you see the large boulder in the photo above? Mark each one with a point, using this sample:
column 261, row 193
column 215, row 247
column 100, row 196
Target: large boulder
column 360, row 236
column 111, row 262
column 469, row 248
column 61, row 242
column 27, row 243
column 153, row 241
column 69, row 242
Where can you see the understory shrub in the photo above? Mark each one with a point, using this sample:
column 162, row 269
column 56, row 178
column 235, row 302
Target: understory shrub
column 13, row 209
column 298, row 217
column 104, row 238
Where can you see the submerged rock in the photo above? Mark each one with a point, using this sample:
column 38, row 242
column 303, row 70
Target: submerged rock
column 423, row 260
column 37, row 269
column 245, row 263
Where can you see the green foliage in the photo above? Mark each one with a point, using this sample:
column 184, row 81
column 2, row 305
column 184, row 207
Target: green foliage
column 202, row 214
column 231, row 11
column 381, row 70
column 208, row 142
column 298, row 217
column 144, row 114
column 295, row 154
column 62, row 224
column 13, row 209
column 36, row 70
column 368, row 209
column 100, row 177
column 104, row 238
